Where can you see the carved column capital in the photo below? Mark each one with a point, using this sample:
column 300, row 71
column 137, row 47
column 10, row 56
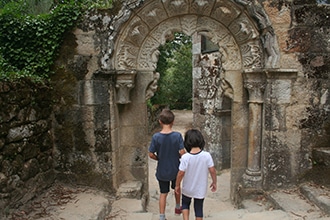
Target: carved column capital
column 125, row 81
column 255, row 83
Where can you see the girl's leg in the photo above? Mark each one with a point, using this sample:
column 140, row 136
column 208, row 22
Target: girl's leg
column 185, row 207
column 198, row 206
column 185, row 214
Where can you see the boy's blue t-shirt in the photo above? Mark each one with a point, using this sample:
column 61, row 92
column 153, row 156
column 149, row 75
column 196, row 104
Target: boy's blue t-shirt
column 167, row 147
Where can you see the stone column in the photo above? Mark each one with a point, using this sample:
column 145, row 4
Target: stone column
column 255, row 83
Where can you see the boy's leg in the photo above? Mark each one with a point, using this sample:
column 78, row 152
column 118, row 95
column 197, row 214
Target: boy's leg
column 177, row 197
column 185, row 207
column 164, row 187
column 198, row 206
column 162, row 203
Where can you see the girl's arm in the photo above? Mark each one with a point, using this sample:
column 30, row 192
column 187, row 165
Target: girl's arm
column 179, row 178
column 213, row 173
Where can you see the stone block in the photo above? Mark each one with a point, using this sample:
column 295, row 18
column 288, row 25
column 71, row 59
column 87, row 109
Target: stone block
column 131, row 189
column 322, row 156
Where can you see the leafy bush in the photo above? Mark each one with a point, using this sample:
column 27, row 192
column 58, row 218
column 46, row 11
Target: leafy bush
column 175, row 68
column 29, row 43
column 31, row 32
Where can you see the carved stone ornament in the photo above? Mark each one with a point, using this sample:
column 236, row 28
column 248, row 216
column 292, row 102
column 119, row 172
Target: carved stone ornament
column 125, row 81
column 244, row 34
column 255, row 83
column 210, row 79
column 152, row 88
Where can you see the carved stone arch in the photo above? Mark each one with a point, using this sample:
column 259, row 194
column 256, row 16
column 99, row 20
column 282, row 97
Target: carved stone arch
column 244, row 35
column 228, row 24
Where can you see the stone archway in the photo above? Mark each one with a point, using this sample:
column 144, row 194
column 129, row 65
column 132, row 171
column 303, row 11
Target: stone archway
column 244, row 35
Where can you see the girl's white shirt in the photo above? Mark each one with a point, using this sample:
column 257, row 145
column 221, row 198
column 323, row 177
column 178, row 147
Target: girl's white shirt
column 196, row 168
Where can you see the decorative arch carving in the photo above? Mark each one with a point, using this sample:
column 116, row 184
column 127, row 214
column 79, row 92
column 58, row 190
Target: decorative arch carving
column 233, row 27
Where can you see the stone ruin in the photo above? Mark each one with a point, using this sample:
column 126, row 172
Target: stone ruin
column 261, row 99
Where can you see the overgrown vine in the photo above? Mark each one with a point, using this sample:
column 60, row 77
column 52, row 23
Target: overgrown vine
column 30, row 43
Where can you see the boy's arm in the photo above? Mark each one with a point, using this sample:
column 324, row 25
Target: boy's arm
column 182, row 152
column 213, row 173
column 153, row 156
column 179, row 178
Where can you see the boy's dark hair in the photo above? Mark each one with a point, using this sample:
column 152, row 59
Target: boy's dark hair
column 193, row 138
column 166, row 116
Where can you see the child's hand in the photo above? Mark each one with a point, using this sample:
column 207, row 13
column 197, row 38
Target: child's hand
column 213, row 187
column 177, row 190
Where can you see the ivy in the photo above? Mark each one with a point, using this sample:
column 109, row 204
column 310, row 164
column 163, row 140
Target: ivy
column 30, row 42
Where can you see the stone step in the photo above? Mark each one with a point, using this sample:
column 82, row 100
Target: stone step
column 296, row 205
column 239, row 214
column 133, row 216
column 253, row 210
column 320, row 196
column 322, row 156
column 243, row 214
column 126, row 208
column 131, row 189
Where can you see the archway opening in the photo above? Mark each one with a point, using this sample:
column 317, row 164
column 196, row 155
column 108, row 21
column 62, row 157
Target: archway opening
column 175, row 71
column 189, row 60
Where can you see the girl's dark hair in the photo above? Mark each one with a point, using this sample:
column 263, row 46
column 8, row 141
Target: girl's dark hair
column 166, row 116
column 193, row 138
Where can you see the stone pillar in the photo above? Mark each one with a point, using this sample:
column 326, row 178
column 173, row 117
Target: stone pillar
column 255, row 83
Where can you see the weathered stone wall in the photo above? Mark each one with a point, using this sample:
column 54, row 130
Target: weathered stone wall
column 297, row 109
column 98, row 137
column 309, row 39
column 26, row 144
column 82, row 118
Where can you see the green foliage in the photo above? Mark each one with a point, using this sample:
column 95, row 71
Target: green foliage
column 175, row 68
column 31, row 33
column 4, row 2
column 9, row 72
column 29, row 43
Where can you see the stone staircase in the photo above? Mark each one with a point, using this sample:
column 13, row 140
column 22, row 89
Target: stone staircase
column 308, row 201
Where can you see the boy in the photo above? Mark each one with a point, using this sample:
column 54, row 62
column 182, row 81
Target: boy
column 193, row 170
column 167, row 148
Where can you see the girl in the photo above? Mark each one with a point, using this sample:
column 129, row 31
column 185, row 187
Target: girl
column 193, row 170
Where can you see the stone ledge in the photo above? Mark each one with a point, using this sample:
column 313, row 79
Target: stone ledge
column 322, row 156
column 293, row 202
column 318, row 196
column 131, row 189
